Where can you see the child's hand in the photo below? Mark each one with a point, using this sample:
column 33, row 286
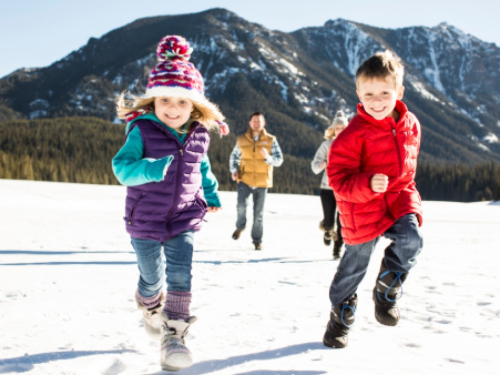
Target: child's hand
column 322, row 165
column 235, row 176
column 264, row 152
column 379, row 183
column 214, row 209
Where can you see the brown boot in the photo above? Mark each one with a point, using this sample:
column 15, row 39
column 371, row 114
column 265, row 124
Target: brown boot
column 237, row 234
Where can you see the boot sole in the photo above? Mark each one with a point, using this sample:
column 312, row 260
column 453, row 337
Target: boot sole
column 177, row 361
column 335, row 345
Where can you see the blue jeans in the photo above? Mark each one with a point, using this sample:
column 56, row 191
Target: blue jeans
column 179, row 256
column 259, row 197
column 400, row 256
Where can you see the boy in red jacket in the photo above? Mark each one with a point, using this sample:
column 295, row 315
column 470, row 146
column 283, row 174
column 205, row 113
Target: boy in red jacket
column 372, row 174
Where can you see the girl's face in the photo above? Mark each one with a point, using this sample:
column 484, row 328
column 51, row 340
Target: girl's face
column 338, row 129
column 173, row 111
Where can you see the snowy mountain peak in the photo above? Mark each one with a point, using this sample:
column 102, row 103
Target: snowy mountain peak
column 304, row 76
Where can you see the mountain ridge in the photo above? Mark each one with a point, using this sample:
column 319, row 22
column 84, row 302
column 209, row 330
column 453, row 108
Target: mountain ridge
column 298, row 79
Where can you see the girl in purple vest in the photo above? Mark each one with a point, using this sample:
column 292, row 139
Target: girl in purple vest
column 170, row 188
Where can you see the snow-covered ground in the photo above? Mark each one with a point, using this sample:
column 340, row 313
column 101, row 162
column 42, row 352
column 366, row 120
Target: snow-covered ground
column 68, row 276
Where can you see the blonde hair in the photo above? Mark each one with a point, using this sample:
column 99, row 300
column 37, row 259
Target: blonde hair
column 382, row 65
column 330, row 132
column 339, row 120
column 203, row 112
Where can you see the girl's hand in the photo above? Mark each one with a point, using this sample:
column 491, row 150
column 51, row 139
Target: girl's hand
column 322, row 165
column 214, row 209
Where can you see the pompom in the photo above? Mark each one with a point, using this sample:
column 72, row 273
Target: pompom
column 173, row 47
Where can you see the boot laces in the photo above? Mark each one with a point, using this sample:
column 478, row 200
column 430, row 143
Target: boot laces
column 353, row 311
column 398, row 295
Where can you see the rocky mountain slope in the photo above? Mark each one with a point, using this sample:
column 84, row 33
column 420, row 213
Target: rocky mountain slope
column 299, row 79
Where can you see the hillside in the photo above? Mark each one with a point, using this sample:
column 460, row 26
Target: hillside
column 299, row 79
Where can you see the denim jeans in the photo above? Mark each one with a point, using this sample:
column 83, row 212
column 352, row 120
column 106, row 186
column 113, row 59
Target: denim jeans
column 259, row 197
column 400, row 256
column 179, row 256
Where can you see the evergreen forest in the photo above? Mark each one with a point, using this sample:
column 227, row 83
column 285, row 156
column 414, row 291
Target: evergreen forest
column 80, row 149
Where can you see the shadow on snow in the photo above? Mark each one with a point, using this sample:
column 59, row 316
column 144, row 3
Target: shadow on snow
column 26, row 362
column 207, row 367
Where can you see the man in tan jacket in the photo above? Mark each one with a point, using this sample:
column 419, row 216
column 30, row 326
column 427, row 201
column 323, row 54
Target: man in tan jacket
column 251, row 164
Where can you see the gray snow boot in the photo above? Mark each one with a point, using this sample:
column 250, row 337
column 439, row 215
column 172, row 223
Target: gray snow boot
column 388, row 289
column 151, row 317
column 341, row 318
column 174, row 353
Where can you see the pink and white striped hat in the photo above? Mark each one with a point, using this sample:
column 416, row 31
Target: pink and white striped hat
column 174, row 75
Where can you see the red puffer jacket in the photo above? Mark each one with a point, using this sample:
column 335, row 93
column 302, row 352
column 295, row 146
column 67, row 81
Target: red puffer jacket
column 367, row 147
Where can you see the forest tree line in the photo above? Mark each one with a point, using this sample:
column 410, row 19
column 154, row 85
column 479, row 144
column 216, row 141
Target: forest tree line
column 80, row 149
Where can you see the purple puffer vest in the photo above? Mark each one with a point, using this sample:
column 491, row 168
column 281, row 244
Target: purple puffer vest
column 161, row 210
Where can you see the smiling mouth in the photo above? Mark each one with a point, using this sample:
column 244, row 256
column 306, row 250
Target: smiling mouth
column 172, row 117
column 378, row 110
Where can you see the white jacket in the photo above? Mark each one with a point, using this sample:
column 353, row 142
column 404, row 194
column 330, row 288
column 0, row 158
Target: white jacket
column 320, row 157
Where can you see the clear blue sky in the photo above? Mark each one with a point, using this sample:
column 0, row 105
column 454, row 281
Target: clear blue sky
column 36, row 33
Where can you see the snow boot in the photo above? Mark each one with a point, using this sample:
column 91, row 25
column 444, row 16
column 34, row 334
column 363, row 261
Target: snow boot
column 237, row 234
column 151, row 316
column 337, row 246
column 328, row 235
column 341, row 318
column 174, row 354
column 327, row 238
column 388, row 289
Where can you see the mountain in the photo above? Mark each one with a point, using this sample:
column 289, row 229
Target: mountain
column 298, row 79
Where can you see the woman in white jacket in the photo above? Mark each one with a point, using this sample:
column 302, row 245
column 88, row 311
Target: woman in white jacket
column 330, row 214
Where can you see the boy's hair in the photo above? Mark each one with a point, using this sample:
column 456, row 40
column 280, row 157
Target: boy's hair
column 257, row 114
column 205, row 113
column 382, row 65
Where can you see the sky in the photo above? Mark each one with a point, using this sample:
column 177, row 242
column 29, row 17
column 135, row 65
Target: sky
column 68, row 276
column 36, row 33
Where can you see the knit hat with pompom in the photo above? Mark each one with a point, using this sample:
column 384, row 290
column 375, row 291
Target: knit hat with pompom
column 339, row 119
column 174, row 75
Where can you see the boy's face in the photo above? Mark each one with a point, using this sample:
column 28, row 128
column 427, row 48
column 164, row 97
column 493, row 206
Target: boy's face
column 173, row 111
column 379, row 96
column 257, row 123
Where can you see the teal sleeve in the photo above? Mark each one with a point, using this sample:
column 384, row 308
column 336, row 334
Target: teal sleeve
column 131, row 169
column 209, row 183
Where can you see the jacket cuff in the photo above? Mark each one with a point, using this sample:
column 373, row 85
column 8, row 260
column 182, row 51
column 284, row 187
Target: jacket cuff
column 159, row 168
column 213, row 200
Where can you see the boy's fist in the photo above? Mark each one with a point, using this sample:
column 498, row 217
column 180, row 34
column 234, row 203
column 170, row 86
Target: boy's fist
column 379, row 183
